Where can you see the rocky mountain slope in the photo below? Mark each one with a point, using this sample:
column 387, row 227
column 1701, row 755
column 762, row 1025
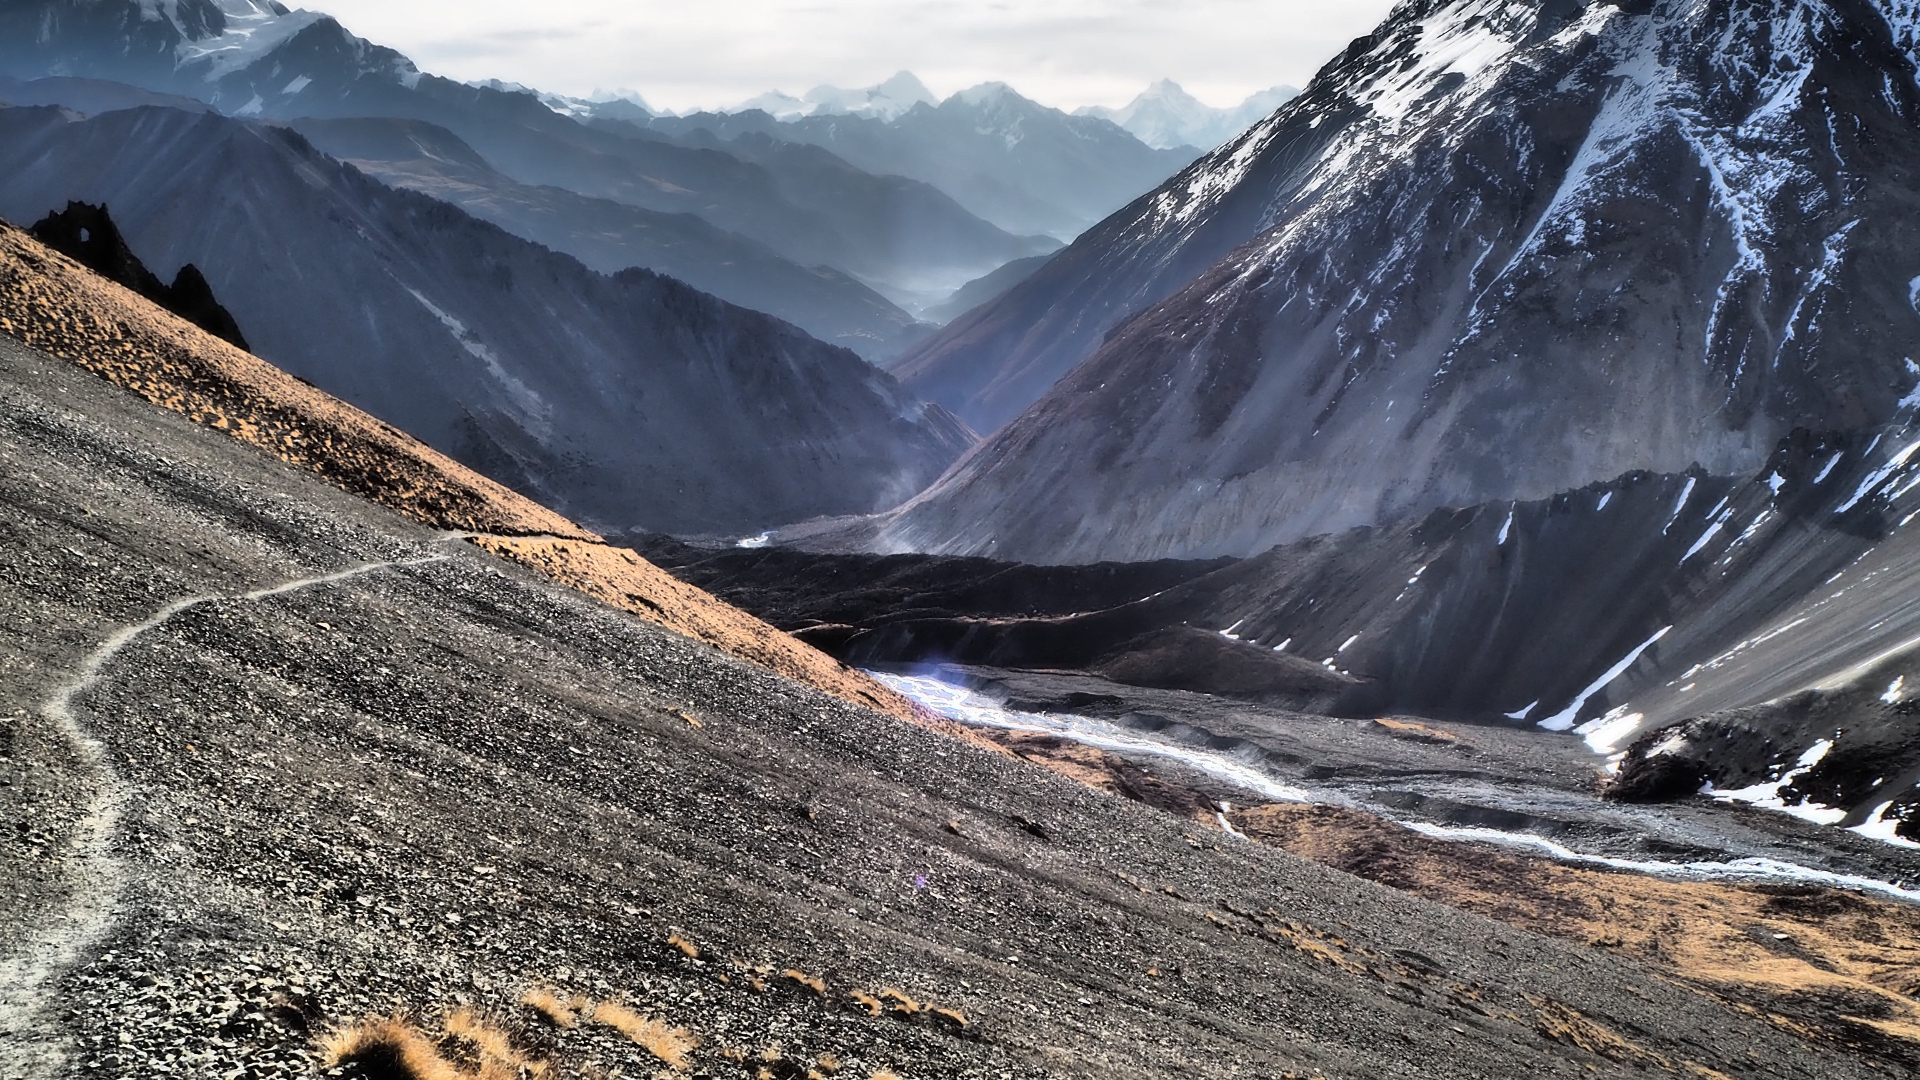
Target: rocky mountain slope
column 1025, row 167
column 1496, row 251
column 282, row 763
column 1165, row 116
column 1752, row 633
column 252, row 58
column 619, row 399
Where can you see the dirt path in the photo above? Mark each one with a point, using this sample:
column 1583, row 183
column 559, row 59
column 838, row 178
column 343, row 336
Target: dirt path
column 60, row 941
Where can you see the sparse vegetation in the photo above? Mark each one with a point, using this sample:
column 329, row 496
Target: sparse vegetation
column 805, row 981
column 866, row 1001
column 902, row 1004
column 396, row 1048
column 670, row 1044
column 561, row 1010
column 390, row 1048
column 691, row 950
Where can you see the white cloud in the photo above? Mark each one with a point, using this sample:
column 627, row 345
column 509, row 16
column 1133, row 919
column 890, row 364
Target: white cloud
column 681, row 55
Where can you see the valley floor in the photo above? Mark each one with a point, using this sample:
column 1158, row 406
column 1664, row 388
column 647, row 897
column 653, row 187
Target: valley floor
column 277, row 760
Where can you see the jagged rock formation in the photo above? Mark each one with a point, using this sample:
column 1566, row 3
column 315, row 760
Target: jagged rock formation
column 620, row 400
column 1493, row 251
column 87, row 234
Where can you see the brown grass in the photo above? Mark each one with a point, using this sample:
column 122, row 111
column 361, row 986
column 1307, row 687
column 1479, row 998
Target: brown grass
column 805, row 981
column 388, row 1047
column 902, row 1004
column 1833, row 966
column 560, row 1010
column 688, row 948
column 671, row 1045
column 619, row 578
column 866, row 1001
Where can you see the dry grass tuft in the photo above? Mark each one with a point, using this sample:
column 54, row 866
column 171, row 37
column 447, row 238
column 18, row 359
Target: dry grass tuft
column 560, row 1010
column 691, row 950
column 391, row 1048
column 866, row 1001
column 493, row 1048
column 902, row 1004
column 885, row 1074
column 670, row 1044
column 952, row 1018
column 827, row 1063
column 802, row 979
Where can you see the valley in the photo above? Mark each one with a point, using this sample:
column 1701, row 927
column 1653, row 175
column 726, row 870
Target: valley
column 1412, row 576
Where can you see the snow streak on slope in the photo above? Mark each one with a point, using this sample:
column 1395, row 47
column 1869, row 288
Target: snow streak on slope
column 958, row 703
column 1498, row 250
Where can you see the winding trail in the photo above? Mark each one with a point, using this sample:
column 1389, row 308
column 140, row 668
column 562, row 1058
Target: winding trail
column 27, row 1050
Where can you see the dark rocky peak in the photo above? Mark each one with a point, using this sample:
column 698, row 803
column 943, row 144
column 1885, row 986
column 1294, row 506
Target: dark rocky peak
column 86, row 234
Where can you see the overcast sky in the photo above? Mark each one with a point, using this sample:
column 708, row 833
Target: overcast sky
column 680, row 55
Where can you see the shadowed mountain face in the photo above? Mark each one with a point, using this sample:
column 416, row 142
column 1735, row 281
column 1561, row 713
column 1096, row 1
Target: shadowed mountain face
column 256, row 59
column 610, row 236
column 1503, row 250
column 619, row 399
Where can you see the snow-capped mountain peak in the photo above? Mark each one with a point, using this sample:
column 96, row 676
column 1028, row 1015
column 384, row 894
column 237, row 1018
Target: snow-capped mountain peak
column 887, row 101
column 1456, row 269
column 1164, row 115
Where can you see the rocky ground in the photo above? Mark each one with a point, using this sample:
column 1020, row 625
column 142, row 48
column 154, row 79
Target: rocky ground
column 277, row 760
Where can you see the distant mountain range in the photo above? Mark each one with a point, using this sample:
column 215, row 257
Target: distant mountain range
column 259, row 60
column 1166, row 116
column 1021, row 165
column 626, row 398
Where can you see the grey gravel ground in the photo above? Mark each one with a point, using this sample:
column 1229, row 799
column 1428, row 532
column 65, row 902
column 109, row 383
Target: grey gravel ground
column 445, row 782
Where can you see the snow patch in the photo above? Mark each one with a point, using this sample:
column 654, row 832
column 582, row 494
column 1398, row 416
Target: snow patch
column 1563, row 720
column 1685, row 494
column 967, row 707
column 1605, row 498
column 1827, row 469
column 1877, row 476
column 1767, row 795
column 1523, row 713
column 1506, row 528
column 1880, row 827
column 1896, row 692
column 1751, row 869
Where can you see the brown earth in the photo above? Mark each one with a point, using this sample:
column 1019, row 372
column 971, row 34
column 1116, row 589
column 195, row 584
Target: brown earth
column 1830, row 965
column 54, row 304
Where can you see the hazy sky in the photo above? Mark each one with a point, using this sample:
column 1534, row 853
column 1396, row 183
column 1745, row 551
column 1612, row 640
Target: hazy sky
column 680, row 55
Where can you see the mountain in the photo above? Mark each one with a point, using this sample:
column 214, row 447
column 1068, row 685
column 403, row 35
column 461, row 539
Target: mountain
column 1494, row 254
column 256, row 59
column 610, row 236
column 1025, row 167
column 982, row 289
column 888, row 101
column 1165, row 116
column 401, row 794
column 631, row 398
